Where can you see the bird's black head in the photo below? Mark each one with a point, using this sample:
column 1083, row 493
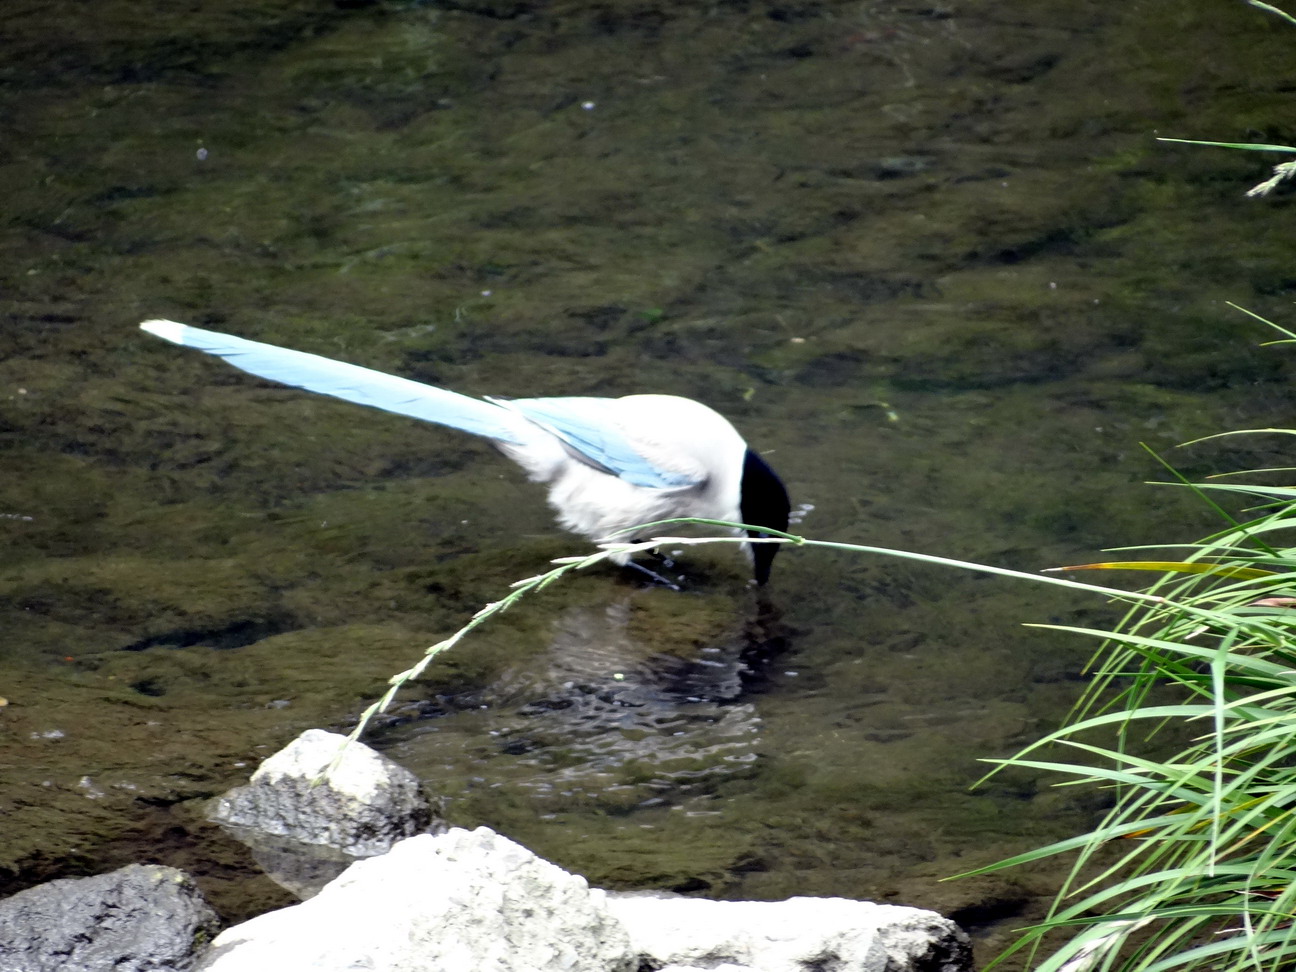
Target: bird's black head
column 764, row 503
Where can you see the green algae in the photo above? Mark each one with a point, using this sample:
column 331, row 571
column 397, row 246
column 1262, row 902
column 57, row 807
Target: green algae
column 934, row 263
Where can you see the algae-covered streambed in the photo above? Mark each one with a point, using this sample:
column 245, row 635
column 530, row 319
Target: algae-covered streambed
column 928, row 258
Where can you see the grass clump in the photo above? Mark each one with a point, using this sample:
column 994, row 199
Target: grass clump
column 1190, row 723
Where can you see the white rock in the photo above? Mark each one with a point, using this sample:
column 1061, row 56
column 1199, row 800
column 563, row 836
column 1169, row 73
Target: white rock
column 359, row 774
column 470, row 901
column 796, row 935
column 361, row 803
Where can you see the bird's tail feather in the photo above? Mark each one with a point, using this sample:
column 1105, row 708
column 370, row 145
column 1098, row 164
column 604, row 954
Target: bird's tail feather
column 349, row 382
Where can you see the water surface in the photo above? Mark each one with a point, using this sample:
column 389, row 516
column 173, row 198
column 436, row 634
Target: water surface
column 929, row 259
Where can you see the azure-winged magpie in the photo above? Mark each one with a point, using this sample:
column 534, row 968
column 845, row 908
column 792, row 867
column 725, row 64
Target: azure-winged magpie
column 610, row 463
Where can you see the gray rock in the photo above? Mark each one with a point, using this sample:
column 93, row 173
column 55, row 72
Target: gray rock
column 361, row 804
column 796, row 935
column 924, row 941
column 474, row 901
column 140, row 918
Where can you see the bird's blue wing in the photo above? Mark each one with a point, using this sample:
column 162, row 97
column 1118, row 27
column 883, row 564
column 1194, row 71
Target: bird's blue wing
column 584, row 425
column 347, row 381
column 587, row 426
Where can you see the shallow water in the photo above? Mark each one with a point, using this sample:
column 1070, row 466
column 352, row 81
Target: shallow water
column 928, row 259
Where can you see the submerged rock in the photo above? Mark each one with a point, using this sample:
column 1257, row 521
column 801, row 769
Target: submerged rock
column 140, row 918
column 461, row 900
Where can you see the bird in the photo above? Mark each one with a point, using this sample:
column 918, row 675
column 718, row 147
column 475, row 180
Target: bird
column 610, row 464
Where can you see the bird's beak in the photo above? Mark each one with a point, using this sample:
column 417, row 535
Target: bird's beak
column 762, row 559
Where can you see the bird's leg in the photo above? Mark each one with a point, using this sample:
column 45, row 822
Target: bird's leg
column 658, row 578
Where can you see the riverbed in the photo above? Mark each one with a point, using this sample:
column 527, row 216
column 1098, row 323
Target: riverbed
column 929, row 259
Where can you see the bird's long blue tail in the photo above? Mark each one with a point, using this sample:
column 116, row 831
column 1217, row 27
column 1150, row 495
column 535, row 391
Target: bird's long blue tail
column 347, row 381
